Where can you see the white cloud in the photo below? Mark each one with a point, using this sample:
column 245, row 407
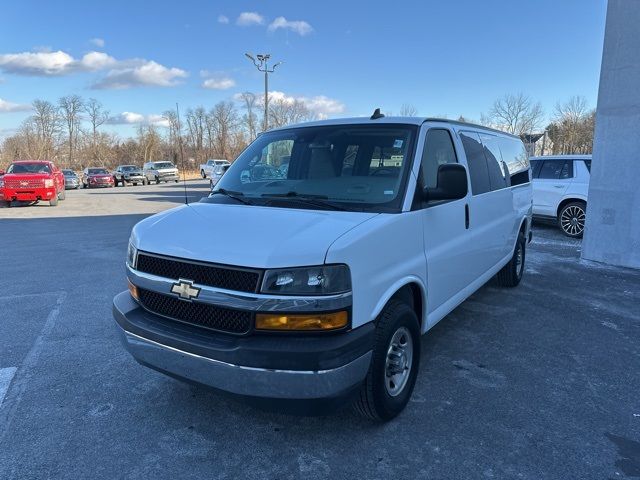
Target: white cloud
column 37, row 63
column 6, row 106
column 219, row 83
column 133, row 118
column 223, row 19
column 141, row 73
column 97, row 61
column 321, row 105
column 250, row 18
column 300, row 27
column 98, row 42
column 120, row 73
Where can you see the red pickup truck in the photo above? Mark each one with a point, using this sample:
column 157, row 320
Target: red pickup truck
column 32, row 180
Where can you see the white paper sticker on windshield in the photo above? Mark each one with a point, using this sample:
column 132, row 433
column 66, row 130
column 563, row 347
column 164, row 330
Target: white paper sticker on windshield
column 388, row 192
column 398, row 143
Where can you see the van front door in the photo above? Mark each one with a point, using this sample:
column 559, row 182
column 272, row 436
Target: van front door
column 446, row 231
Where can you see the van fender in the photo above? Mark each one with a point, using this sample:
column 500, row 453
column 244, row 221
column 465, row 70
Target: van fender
column 391, row 291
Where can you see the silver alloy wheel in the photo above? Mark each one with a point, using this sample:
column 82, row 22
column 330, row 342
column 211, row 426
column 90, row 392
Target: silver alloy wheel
column 399, row 361
column 572, row 220
column 519, row 259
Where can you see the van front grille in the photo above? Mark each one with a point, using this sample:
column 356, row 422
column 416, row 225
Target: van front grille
column 203, row 315
column 219, row 276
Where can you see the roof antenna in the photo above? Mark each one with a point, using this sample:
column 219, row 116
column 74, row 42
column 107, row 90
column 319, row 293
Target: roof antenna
column 184, row 172
column 376, row 114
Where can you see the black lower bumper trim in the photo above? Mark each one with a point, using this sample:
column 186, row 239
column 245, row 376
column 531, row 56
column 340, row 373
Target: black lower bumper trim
column 269, row 351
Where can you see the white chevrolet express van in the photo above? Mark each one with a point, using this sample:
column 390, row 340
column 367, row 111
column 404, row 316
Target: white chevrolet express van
column 316, row 281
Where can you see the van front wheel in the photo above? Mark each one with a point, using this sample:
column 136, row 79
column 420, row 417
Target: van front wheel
column 511, row 273
column 394, row 364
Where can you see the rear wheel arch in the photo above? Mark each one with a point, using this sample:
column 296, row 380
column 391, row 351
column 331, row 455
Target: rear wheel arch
column 568, row 200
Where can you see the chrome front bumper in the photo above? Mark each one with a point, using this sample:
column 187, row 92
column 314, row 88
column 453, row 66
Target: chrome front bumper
column 250, row 381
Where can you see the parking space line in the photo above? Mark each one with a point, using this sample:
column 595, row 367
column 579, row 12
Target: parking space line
column 6, row 375
column 24, row 372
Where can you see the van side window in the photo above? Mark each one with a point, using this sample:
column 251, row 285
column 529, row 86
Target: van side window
column 438, row 150
column 498, row 174
column 556, row 169
column 477, row 163
column 516, row 158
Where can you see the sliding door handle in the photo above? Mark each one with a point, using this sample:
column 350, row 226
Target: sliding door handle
column 466, row 216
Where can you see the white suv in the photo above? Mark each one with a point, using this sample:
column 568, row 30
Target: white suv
column 560, row 189
column 316, row 281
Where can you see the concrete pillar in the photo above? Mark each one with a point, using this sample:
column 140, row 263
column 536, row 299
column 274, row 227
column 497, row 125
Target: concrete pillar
column 612, row 233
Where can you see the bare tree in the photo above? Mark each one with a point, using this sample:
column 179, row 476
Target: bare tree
column 572, row 128
column 149, row 141
column 196, row 125
column 224, row 119
column 408, row 110
column 70, row 108
column 516, row 114
column 46, row 123
column 284, row 111
column 97, row 116
column 250, row 119
column 172, row 119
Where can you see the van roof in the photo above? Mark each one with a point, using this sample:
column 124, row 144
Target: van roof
column 406, row 120
column 586, row 156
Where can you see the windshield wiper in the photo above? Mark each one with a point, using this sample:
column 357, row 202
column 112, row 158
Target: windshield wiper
column 316, row 200
column 233, row 195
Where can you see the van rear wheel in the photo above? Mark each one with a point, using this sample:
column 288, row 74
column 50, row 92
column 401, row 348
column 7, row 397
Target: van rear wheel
column 512, row 272
column 394, row 364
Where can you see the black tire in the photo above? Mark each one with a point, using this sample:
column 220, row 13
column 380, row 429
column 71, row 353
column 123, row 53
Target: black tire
column 54, row 201
column 176, row 181
column 202, row 174
column 157, row 181
column 62, row 195
column 512, row 272
column 375, row 400
column 571, row 218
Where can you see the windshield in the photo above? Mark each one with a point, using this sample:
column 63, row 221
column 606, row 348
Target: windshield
column 68, row 173
column 359, row 167
column 129, row 168
column 163, row 165
column 29, row 168
column 98, row 171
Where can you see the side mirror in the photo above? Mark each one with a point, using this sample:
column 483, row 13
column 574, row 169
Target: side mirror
column 1, row 172
column 451, row 184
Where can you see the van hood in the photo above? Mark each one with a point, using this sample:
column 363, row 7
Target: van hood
column 249, row 236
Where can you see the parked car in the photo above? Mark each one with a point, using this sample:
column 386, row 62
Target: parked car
column 71, row 179
column 32, row 181
column 208, row 169
column 560, row 190
column 97, row 177
column 319, row 284
column 161, row 172
column 124, row 174
column 217, row 174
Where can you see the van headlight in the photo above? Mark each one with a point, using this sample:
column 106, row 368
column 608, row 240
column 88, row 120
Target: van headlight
column 320, row 280
column 132, row 255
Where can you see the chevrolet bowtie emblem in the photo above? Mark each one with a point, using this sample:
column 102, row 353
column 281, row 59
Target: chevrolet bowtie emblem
column 185, row 289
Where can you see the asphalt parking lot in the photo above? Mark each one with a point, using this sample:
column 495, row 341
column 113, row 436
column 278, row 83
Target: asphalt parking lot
column 540, row 381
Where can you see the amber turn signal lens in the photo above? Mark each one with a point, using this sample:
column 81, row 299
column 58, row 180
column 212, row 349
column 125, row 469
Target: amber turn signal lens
column 325, row 321
column 133, row 290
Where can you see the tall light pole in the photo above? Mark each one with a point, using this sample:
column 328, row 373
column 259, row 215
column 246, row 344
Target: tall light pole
column 261, row 61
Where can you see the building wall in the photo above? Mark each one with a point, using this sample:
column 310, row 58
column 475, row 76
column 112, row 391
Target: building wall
column 612, row 233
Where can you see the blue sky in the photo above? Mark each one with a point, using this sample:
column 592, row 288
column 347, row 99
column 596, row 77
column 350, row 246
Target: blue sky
column 344, row 57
